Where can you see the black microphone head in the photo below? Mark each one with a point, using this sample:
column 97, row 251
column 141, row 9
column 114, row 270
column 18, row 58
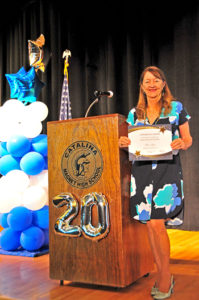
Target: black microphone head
column 109, row 94
column 96, row 93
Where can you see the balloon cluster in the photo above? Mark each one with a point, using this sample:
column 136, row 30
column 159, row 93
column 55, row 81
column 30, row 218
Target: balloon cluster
column 24, row 228
column 23, row 158
column 16, row 118
column 24, row 181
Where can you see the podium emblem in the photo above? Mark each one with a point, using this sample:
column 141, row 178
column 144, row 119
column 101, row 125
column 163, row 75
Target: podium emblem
column 82, row 164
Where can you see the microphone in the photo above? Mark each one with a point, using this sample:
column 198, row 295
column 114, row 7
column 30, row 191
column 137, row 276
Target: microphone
column 109, row 94
column 98, row 94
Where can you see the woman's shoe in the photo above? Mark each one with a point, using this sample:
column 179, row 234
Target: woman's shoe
column 154, row 289
column 161, row 295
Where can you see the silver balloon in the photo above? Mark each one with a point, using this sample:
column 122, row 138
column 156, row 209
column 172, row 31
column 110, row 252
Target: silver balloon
column 62, row 224
column 88, row 230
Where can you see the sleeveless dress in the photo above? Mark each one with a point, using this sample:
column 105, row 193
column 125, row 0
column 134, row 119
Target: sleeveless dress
column 156, row 190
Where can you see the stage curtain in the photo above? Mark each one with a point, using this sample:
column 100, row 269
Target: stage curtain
column 111, row 42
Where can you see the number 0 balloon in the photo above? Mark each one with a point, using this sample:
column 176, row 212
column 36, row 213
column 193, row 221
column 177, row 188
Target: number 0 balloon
column 89, row 231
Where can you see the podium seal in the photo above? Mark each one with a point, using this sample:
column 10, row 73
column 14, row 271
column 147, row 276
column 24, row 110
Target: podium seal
column 82, row 164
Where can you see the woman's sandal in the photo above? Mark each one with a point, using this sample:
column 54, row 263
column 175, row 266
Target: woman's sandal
column 161, row 295
column 154, row 289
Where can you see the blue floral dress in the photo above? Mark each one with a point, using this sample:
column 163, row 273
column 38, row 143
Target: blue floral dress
column 157, row 186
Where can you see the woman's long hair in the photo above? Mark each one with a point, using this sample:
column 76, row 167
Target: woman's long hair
column 166, row 98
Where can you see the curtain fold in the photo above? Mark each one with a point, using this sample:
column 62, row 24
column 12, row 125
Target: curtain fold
column 111, row 42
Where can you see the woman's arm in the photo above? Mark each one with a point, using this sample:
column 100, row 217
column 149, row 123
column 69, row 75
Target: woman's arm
column 185, row 140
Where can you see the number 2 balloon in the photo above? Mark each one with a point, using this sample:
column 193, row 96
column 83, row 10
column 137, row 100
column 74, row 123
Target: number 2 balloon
column 38, row 56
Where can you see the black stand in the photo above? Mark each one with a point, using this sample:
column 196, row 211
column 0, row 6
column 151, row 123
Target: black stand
column 94, row 101
column 61, row 282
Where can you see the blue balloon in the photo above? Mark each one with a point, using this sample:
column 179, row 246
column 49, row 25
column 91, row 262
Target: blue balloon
column 25, row 86
column 46, row 235
column 46, row 163
column 32, row 163
column 19, row 218
column 9, row 239
column 18, row 145
column 12, row 80
column 9, row 163
column 39, row 144
column 41, row 217
column 3, row 220
column 3, row 145
column 3, row 149
column 32, row 238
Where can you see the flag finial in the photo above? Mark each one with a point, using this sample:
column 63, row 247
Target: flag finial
column 66, row 55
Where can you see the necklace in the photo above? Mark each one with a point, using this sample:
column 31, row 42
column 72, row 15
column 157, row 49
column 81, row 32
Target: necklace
column 154, row 116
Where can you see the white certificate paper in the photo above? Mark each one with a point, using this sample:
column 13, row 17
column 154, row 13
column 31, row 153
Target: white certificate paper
column 150, row 142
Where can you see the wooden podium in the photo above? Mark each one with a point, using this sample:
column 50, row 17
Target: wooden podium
column 84, row 158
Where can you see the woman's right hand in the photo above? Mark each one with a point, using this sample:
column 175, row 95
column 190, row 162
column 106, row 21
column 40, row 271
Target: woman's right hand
column 124, row 142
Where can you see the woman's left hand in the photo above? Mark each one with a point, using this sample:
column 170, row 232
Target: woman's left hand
column 178, row 144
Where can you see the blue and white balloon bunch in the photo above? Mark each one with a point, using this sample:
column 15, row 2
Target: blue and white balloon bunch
column 24, row 228
column 24, row 181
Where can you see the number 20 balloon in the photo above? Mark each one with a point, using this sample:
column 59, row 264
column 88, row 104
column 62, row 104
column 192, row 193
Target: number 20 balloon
column 62, row 224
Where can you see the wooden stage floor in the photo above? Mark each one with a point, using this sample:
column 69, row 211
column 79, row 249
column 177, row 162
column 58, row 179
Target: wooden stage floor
column 27, row 278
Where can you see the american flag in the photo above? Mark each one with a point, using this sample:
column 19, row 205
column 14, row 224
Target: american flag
column 65, row 108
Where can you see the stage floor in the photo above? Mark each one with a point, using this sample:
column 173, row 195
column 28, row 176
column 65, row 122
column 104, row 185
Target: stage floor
column 27, row 278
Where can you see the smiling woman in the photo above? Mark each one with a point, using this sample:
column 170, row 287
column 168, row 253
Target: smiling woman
column 154, row 94
column 157, row 186
column 152, row 86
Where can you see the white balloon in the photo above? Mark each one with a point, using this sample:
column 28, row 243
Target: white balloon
column 41, row 179
column 13, row 104
column 2, row 180
column 9, row 199
column 38, row 110
column 34, row 197
column 47, row 201
column 10, row 128
column 31, row 128
column 3, row 116
column 10, row 119
column 3, row 184
column 27, row 115
column 17, row 179
column 14, row 109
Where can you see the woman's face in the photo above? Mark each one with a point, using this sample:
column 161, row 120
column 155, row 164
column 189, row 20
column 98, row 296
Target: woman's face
column 152, row 86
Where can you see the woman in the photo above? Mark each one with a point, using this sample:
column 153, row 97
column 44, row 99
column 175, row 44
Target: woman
column 156, row 186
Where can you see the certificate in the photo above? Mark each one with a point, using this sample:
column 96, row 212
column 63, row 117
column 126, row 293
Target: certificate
column 150, row 142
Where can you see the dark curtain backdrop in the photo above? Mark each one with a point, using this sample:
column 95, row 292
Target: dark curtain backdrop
column 111, row 42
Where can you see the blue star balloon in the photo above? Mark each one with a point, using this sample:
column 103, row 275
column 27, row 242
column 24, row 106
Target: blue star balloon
column 25, row 86
column 12, row 80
